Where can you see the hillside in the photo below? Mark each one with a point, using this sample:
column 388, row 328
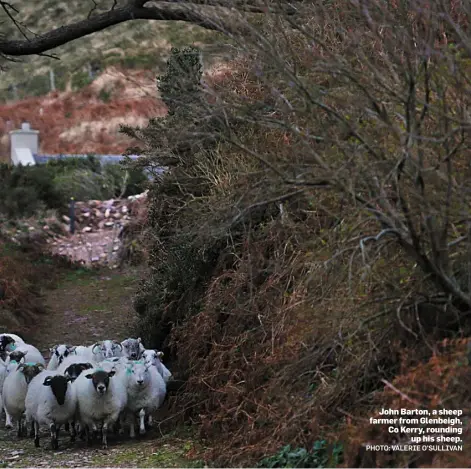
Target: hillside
column 132, row 45
column 87, row 120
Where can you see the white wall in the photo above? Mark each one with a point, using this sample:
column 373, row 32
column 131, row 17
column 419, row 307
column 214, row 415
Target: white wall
column 24, row 143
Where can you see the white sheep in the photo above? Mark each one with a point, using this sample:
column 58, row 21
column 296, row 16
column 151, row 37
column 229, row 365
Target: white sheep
column 101, row 399
column 6, row 343
column 3, row 375
column 32, row 354
column 15, row 388
column 13, row 360
column 154, row 357
column 108, row 364
column 51, row 401
column 146, row 392
column 111, row 348
column 92, row 353
column 58, row 354
column 133, row 348
column 71, row 360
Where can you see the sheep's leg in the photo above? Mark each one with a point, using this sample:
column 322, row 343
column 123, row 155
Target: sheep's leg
column 104, row 432
column 31, row 432
column 95, row 431
column 117, row 427
column 36, row 433
column 67, row 427
column 122, row 423
column 53, row 430
column 142, row 427
column 73, row 431
column 132, row 421
column 88, row 435
column 58, row 427
column 149, row 420
column 8, row 422
column 20, row 429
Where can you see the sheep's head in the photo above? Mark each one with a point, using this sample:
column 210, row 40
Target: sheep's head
column 139, row 375
column 152, row 356
column 132, row 348
column 73, row 371
column 59, row 384
column 6, row 342
column 101, row 380
column 111, row 348
column 30, row 370
column 62, row 351
column 97, row 348
column 16, row 356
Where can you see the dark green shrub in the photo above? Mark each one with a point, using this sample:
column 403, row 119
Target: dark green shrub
column 125, row 181
column 24, row 190
column 321, row 455
column 60, row 165
column 83, row 184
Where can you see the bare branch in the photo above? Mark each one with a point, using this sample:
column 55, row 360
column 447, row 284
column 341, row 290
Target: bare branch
column 134, row 10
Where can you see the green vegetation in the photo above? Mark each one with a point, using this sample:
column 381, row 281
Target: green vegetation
column 25, row 190
column 319, row 456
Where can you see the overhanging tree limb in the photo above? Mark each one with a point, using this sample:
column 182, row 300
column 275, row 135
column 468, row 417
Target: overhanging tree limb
column 217, row 15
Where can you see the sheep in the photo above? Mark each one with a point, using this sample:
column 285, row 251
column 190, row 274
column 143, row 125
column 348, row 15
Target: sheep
column 72, row 360
column 13, row 360
column 3, row 375
column 50, row 400
column 74, row 370
column 6, row 340
column 58, row 353
column 111, row 348
column 132, row 348
column 15, row 388
column 146, row 392
column 33, row 355
column 92, row 353
column 101, row 398
column 110, row 364
column 154, row 357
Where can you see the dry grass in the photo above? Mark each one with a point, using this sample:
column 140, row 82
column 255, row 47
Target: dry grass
column 441, row 382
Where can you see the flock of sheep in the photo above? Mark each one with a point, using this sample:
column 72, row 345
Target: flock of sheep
column 105, row 386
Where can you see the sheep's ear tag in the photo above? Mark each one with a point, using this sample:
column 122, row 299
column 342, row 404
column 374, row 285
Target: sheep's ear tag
column 13, row 347
column 129, row 370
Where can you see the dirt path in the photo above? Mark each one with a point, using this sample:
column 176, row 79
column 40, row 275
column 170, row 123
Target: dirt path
column 87, row 306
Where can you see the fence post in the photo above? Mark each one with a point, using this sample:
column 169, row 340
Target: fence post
column 52, row 80
column 72, row 215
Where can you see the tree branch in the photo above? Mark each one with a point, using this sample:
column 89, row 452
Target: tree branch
column 134, row 10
